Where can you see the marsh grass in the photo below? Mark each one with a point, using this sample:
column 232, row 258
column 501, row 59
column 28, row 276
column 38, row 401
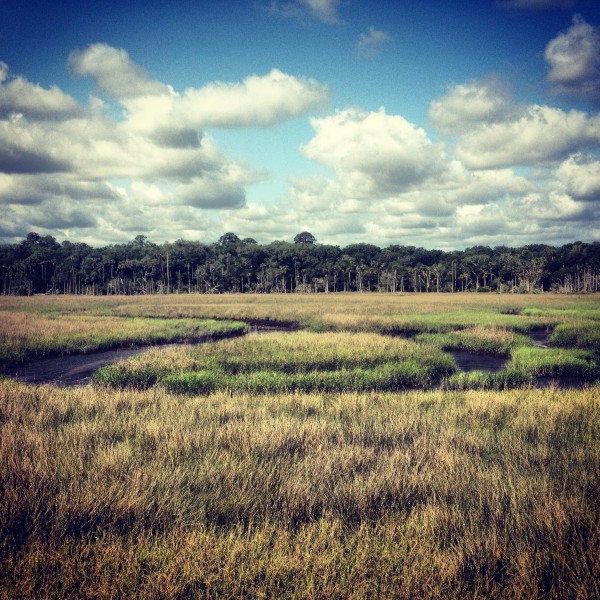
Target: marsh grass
column 387, row 313
column 494, row 341
column 486, row 380
column 452, row 494
column 555, row 362
column 577, row 335
column 24, row 336
column 273, row 363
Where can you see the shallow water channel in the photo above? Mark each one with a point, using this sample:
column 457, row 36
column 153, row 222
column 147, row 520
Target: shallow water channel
column 76, row 370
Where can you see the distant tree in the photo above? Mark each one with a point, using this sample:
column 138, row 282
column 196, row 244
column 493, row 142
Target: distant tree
column 305, row 238
column 228, row 239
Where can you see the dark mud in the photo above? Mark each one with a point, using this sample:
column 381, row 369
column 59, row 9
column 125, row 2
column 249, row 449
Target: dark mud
column 467, row 361
column 73, row 370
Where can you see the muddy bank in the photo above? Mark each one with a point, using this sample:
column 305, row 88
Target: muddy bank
column 76, row 369
column 73, row 370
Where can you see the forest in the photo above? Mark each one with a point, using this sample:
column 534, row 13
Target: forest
column 41, row 265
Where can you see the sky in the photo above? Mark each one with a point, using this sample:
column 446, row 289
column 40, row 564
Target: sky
column 440, row 124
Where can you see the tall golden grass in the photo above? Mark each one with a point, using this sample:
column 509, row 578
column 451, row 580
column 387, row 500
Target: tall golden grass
column 412, row 495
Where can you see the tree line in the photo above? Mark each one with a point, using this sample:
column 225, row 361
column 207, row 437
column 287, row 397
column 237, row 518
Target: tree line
column 41, row 265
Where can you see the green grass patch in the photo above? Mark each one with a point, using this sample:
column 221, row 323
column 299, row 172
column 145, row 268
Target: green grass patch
column 386, row 377
column 485, row 380
column 299, row 361
column 479, row 340
column 577, row 335
column 555, row 362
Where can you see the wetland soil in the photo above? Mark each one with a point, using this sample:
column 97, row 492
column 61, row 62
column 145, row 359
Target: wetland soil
column 73, row 370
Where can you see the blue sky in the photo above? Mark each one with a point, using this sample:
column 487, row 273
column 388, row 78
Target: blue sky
column 439, row 124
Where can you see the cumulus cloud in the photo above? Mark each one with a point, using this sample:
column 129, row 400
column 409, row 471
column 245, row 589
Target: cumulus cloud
column 151, row 107
column 370, row 43
column 60, row 161
column 573, row 58
column 470, row 104
column 554, row 206
column 257, row 101
column 494, row 131
column 19, row 97
column 580, row 175
column 114, row 72
column 374, row 154
column 540, row 135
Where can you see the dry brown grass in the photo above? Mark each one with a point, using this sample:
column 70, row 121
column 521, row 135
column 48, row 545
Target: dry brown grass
column 422, row 494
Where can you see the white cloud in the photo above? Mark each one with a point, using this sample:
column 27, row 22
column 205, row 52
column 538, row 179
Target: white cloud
column 374, row 154
column 152, row 108
column 19, row 97
column 114, row 72
column 574, row 61
column 471, row 104
column 540, row 135
column 494, row 131
column 581, row 177
column 324, row 10
column 369, row 44
column 59, row 161
column 552, row 206
column 257, row 101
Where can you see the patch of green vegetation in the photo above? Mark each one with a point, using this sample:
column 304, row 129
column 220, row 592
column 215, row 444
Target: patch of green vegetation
column 448, row 322
column 274, row 363
column 386, row 377
column 486, row 380
column 478, row 340
column 584, row 312
column 555, row 362
column 577, row 335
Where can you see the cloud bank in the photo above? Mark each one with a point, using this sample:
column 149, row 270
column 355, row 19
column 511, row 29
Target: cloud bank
column 152, row 169
column 141, row 157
